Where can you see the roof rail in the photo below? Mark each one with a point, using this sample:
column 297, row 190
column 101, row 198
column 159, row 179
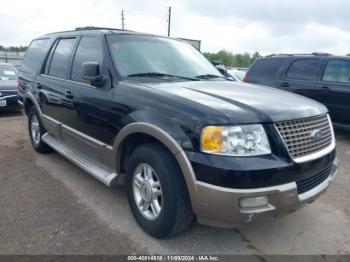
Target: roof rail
column 312, row 54
column 97, row 28
column 85, row 28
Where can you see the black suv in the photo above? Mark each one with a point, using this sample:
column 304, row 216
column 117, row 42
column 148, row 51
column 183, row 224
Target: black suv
column 152, row 113
column 320, row 76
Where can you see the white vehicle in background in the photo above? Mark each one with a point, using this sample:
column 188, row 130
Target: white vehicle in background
column 237, row 74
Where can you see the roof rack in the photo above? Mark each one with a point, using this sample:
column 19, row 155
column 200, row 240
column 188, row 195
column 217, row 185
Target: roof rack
column 312, row 54
column 86, row 28
column 97, row 28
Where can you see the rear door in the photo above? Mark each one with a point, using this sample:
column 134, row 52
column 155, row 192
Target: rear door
column 31, row 65
column 335, row 86
column 88, row 107
column 300, row 77
column 51, row 81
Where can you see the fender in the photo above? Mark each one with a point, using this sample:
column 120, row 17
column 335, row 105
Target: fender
column 167, row 140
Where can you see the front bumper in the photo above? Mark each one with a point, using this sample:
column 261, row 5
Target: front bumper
column 219, row 206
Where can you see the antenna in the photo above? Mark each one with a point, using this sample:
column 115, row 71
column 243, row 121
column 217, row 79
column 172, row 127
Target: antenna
column 169, row 20
column 123, row 20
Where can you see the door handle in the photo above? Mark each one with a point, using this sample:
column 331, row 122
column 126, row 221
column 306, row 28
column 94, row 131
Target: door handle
column 68, row 94
column 285, row 84
column 324, row 88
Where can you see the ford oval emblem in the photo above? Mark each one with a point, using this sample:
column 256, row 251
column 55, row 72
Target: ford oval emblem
column 317, row 134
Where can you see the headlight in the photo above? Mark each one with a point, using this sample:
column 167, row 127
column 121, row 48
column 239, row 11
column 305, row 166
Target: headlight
column 245, row 140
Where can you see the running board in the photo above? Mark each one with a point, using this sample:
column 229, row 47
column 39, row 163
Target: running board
column 101, row 172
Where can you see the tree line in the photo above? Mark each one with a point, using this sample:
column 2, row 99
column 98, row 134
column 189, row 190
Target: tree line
column 13, row 48
column 233, row 60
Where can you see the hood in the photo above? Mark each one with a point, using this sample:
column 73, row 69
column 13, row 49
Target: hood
column 245, row 103
column 8, row 84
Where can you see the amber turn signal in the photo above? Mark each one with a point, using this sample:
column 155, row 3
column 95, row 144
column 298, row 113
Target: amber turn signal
column 211, row 139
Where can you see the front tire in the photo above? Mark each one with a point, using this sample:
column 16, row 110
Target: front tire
column 36, row 131
column 157, row 192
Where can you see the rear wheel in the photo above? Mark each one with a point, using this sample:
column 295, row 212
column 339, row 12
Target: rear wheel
column 36, row 131
column 157, row 192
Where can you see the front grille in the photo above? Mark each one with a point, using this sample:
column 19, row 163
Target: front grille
column 311, row 182
column 298, row 135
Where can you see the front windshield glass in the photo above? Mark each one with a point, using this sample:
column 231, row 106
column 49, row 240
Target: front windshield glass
column 8, row 73
column 139, row 55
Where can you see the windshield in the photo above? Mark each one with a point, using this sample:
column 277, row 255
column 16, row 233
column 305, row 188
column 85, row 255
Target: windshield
column 136, row 55
column 8, row 73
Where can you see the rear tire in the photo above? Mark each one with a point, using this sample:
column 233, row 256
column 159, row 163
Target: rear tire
column 36, row 131
column 164, row 190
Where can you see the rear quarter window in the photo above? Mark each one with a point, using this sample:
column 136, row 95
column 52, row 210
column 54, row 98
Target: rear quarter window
column 266, row 67
column 35, row 55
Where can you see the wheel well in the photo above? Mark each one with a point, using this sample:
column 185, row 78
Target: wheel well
column 27, row 106
column 130, row 143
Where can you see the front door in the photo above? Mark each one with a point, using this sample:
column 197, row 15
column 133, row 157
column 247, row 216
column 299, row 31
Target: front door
column 86, row 110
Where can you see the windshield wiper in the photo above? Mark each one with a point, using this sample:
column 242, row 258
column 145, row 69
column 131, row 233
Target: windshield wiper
column 158, row 74
column 209, row 76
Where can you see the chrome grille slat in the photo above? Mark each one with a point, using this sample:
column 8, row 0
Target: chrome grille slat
column 298, row 142
column 297, row 137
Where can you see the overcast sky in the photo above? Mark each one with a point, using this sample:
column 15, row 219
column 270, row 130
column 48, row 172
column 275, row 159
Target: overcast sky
column 267, row 26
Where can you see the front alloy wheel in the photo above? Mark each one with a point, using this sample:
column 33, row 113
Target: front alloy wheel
column 147, row 191
column 157, row 191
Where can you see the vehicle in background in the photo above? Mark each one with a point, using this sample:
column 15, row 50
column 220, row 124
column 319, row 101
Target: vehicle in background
column 237, row 73
column 233, row 77
column 319, row 76
column 222, row 69
column 8, row 88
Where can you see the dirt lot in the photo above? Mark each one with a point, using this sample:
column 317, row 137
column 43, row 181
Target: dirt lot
column 49, row 206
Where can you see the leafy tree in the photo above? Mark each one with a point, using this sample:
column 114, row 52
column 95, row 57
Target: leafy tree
column 230, row 59
column 255, row 56
column 13, row 48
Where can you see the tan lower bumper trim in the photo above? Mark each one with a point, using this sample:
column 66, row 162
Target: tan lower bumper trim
column 219, row 206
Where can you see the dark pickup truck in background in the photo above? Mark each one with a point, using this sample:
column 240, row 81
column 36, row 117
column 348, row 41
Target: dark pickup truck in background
column 152, row 113
column 319, row 76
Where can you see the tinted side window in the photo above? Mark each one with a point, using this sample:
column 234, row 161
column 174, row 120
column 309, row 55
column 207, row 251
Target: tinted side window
column 304, row 69
column 266, row 67
column 35, row 55
column 337, row 71
column 89, row 50
column 60, row 58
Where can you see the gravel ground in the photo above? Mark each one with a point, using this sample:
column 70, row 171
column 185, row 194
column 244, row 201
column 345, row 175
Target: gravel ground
column 49, row 206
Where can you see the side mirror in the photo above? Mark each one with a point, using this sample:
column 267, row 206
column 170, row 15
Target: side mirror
column 91, row 74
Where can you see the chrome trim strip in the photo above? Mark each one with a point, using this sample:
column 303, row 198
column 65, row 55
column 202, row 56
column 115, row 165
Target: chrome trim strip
column 4, row 97
column 271, row 189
